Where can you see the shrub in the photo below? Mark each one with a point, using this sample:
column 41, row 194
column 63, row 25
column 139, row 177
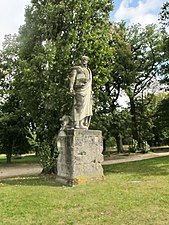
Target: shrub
column 48, row 158
column 146, row 147
column 134, row 146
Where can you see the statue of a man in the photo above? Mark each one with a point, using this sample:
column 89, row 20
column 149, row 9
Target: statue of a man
column 81, row 87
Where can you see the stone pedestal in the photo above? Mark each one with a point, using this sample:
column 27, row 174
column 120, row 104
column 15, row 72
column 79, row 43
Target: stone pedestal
column 80, row 156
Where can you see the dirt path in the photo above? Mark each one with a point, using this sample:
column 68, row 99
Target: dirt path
column 114, row 159
column 35, row 169
column 20, row 170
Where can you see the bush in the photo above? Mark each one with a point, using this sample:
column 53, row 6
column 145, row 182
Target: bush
column 48, row 158
column 134, row 146
column 111, row 142
column 146, row 147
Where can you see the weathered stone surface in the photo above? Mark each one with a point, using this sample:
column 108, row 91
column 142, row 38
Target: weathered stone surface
column 80, row 156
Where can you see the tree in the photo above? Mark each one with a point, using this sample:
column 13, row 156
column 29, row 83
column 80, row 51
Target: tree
column 164, row 14
column 117, row 124
column 137, row 59
column 144, row 113
column 161, row 121
column 13, row 120
column 164, row 19
column 55, row 35
column 13, row 129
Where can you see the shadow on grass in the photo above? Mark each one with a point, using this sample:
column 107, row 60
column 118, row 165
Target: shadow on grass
column 148, row 167
column 41, row 180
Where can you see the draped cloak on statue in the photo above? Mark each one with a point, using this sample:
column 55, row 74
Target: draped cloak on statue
column 83, row 94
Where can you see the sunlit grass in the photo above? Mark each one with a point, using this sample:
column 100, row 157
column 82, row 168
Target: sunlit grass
column 27, row 158
column 132, row 193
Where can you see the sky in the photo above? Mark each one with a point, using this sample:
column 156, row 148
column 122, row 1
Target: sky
column 131, row 11
column 137, row 11
column 11, row 16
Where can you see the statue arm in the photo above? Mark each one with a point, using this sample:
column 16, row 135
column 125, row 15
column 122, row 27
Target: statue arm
column 72, row 79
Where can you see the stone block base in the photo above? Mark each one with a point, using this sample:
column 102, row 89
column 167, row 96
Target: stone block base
column 80, row 157
column 78, row 180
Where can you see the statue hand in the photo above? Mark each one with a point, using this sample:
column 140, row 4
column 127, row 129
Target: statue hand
column 71, row 91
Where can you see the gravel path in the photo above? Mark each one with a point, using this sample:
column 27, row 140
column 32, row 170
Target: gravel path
column 35, row 169
column 114, row 159
column 20, row 170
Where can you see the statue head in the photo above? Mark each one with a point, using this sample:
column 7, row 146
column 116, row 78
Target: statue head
column 85, row 60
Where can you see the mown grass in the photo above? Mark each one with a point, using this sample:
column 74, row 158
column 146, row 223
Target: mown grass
column 132, row 193
column 27, row 158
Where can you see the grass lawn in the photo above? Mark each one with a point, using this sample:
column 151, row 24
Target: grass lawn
column 133, row 193
column 27, row 158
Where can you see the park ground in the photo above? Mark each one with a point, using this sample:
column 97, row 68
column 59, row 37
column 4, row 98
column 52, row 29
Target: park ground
column 23, row 169
column 134, row 192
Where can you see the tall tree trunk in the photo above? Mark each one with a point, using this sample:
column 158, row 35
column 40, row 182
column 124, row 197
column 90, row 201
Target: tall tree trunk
column 104, row 145
column 133, row 119
column 119, row 143
column 9, row 155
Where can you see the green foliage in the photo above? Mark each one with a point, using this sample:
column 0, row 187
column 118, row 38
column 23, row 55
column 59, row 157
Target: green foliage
column 48, row 159
column 144, row 117
column 161, row 121
column 36, row 65
column 13, row 132
column 14, row 119
column 33, row 140
column 138, row 55
column 111, row 142
column 164, row 19
column 55, row 35
column 164, row 15
column 112, row 124
column 145, row 147
column 133, row 147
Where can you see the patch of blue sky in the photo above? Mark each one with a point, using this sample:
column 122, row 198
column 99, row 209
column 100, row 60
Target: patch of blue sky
column 116, row 4
column 136, row 11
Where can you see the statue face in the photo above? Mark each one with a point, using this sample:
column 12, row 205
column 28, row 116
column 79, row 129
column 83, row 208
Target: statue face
column 84, row 62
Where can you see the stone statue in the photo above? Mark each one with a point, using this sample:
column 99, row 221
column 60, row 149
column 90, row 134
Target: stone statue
column 80, row 150
column 81, row 88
